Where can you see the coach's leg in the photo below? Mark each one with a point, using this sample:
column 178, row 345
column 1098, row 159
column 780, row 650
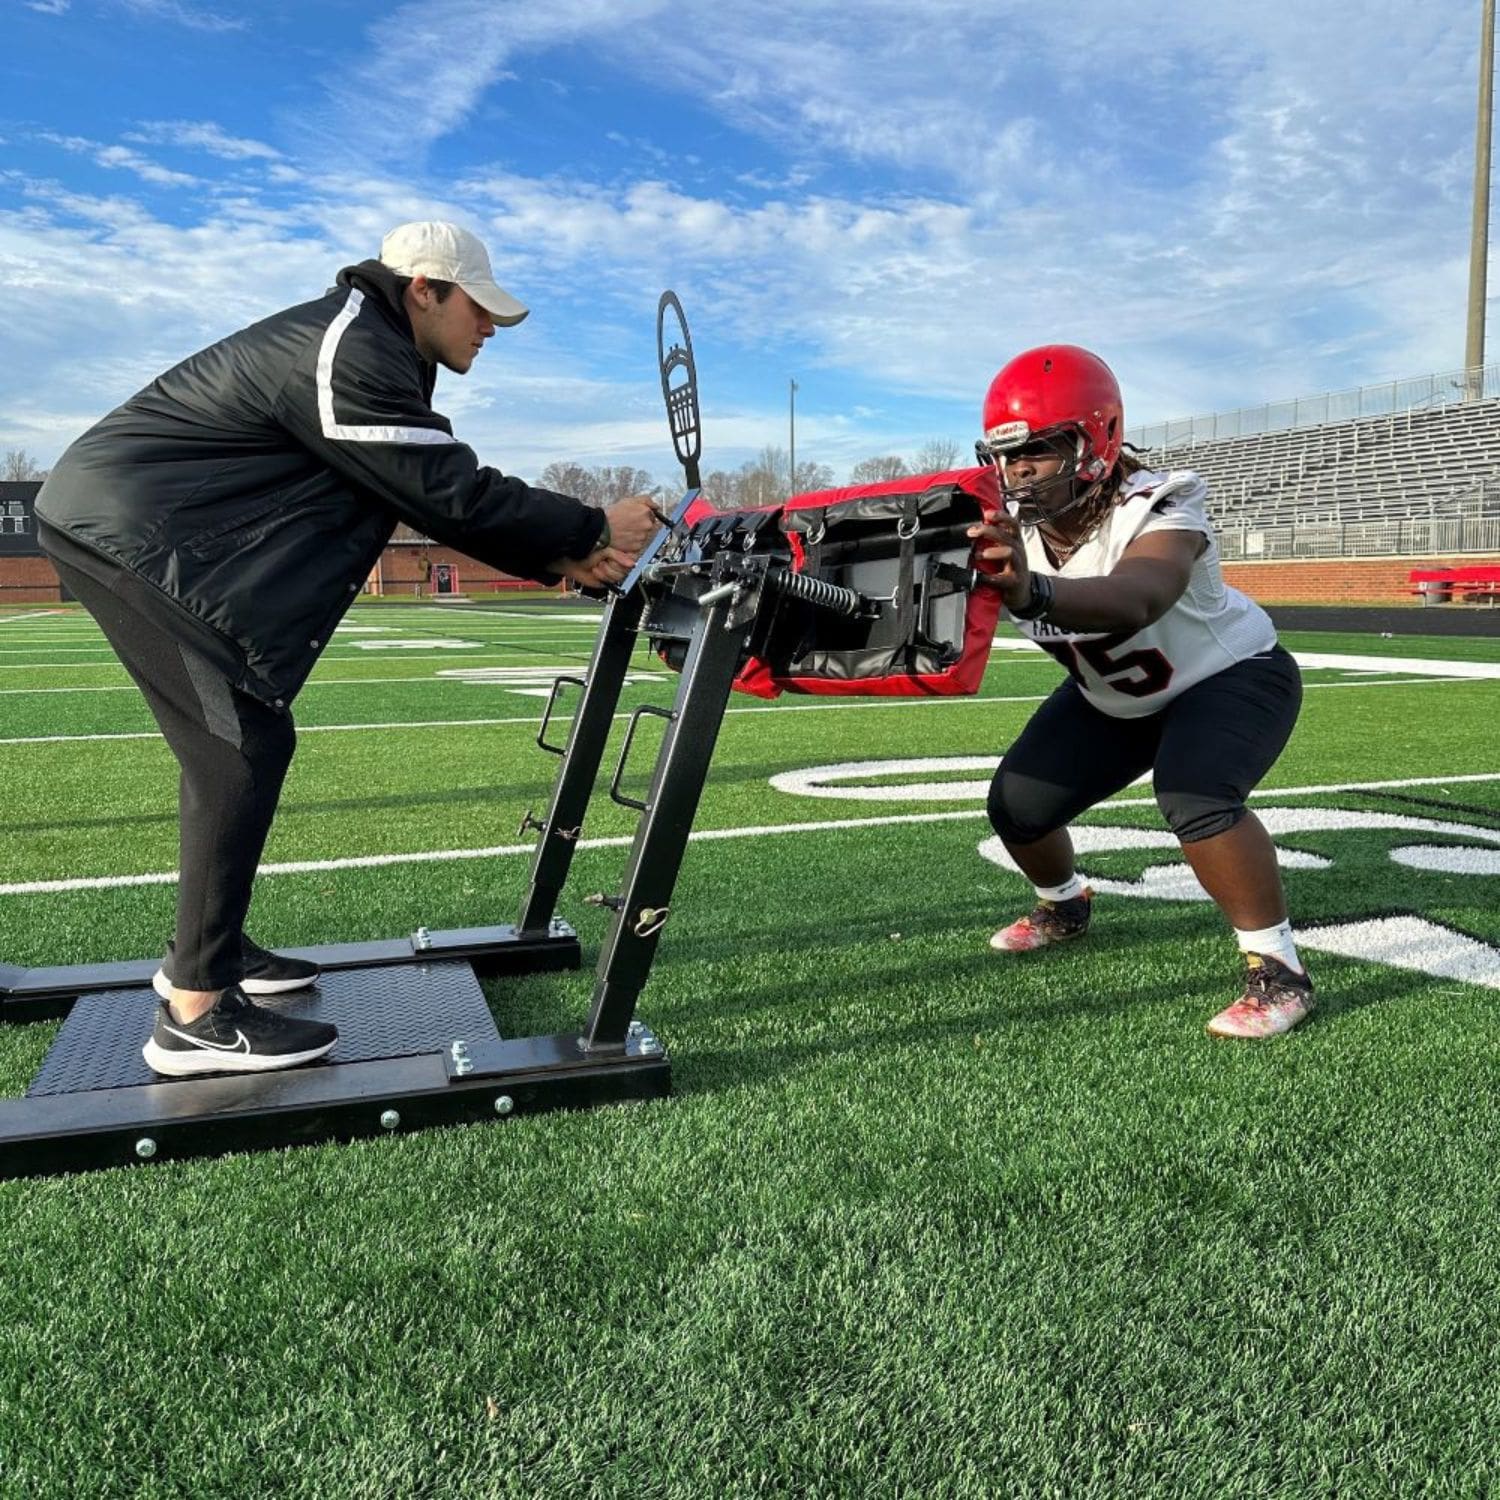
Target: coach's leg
column 229, row 789
column 233, row 753
column 231, row 780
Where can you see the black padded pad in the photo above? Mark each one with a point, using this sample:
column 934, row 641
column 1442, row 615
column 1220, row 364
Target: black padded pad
column 403, row 1010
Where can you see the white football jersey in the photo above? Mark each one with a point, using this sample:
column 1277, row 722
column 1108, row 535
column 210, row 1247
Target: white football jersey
column 1211, row 627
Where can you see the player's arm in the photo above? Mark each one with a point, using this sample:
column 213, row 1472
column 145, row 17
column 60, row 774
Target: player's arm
column 1148, row 580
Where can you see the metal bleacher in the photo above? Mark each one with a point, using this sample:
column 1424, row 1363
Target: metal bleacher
column 1420, row 479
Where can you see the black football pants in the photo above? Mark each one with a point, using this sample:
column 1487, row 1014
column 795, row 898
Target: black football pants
column 1206, row 750
column 233, row 751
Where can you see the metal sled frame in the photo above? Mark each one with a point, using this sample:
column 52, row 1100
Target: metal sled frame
column 417, row 1044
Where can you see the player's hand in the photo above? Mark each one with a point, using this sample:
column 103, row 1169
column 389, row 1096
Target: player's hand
column 601, row 569
column 998, row 542
column 632, row 523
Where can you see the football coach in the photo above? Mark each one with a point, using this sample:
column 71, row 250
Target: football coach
column 220, row 523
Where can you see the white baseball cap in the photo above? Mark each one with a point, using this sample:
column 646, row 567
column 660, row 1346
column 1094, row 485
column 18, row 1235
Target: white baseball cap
column 446, row 252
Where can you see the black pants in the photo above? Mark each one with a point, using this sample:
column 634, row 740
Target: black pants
column 1206, row 749
column 233, row 751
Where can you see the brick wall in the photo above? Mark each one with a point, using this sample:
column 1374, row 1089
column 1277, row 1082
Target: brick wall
column 1331, row 581
column 401, row 570
column 33, row 580
column 27, row 580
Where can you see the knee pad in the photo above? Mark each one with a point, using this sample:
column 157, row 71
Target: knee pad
column 1017, row 814
column 1194, row 817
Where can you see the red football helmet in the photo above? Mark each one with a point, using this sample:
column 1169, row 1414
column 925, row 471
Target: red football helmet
column 1056, row 400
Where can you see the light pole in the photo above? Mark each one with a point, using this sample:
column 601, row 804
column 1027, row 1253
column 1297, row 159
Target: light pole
column 1479, row 244
column 792, row 409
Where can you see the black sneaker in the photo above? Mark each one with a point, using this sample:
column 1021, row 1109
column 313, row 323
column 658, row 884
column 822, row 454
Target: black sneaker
column 266, row 973
column 269, row 973
column 234, row 1037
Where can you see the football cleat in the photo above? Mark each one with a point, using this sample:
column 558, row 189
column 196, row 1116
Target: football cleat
column 1047, row 923
column 1276, row 998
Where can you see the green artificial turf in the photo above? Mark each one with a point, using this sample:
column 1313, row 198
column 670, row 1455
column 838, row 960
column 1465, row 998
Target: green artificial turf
column 916, row 1220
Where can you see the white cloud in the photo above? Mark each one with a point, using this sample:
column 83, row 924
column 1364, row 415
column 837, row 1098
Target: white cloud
column 121, row 157
column 194, row 17
column 875, row 83
column 1197, row 194
column 1171, row 168
column 430, row 63
column 142, row 166
column 49, row 7
column 202, row 135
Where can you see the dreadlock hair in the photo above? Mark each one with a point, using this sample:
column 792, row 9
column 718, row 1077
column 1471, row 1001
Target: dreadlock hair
column 1127, row 465
column 1107, row 491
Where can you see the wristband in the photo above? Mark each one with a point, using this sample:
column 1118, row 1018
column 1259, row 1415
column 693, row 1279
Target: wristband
column 1038, row 601
column 602, row 541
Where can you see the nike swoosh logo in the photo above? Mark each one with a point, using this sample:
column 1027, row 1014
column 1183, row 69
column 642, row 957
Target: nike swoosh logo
column 241, row 1042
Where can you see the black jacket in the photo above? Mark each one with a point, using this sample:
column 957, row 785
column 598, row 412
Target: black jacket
column 248, row 492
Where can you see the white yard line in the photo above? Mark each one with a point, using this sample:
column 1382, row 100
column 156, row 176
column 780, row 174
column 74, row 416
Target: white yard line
column 151, row 734
column 702, row 835
column 555, row 617
column 1342, row 662
column 1363, row 668
column 824, row 705
column 314, row 682
column 17, row 640
column 458, row 654
column 1419, row 664
column 821, row 707
column 322, row 682
column 1369, row 682
column 107, row 663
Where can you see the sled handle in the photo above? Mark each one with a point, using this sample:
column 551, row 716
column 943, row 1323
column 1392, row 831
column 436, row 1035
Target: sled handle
column 616, row 795
column 541, row 734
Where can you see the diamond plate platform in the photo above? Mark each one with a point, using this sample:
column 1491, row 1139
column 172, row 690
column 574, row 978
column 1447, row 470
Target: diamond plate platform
column 547, row 945
column 380, row 1013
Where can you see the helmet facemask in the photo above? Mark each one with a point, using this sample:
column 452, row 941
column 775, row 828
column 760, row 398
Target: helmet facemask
column 1041, row 501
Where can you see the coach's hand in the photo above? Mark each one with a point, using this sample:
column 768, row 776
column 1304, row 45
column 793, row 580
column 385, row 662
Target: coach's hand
column 998, row 542
column 632, row 523
column 600, row 569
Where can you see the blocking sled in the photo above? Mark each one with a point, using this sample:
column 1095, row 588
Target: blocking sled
column 864, row 591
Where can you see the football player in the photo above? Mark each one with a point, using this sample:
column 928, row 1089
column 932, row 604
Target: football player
column 1114, row 570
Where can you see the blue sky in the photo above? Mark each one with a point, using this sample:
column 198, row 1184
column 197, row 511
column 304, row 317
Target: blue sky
column 883, row 199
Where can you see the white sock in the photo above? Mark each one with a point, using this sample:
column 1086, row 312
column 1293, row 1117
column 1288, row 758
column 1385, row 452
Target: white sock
column 1273, row 942
column 1069, row 890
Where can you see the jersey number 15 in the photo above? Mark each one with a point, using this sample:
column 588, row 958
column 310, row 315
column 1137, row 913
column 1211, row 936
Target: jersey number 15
column 1154, row 670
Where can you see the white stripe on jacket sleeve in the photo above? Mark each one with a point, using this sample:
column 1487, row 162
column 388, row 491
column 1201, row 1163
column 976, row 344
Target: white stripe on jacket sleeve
column 346, row 432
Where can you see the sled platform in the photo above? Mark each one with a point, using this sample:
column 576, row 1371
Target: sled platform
column 417, row 1048
column 46, row 993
